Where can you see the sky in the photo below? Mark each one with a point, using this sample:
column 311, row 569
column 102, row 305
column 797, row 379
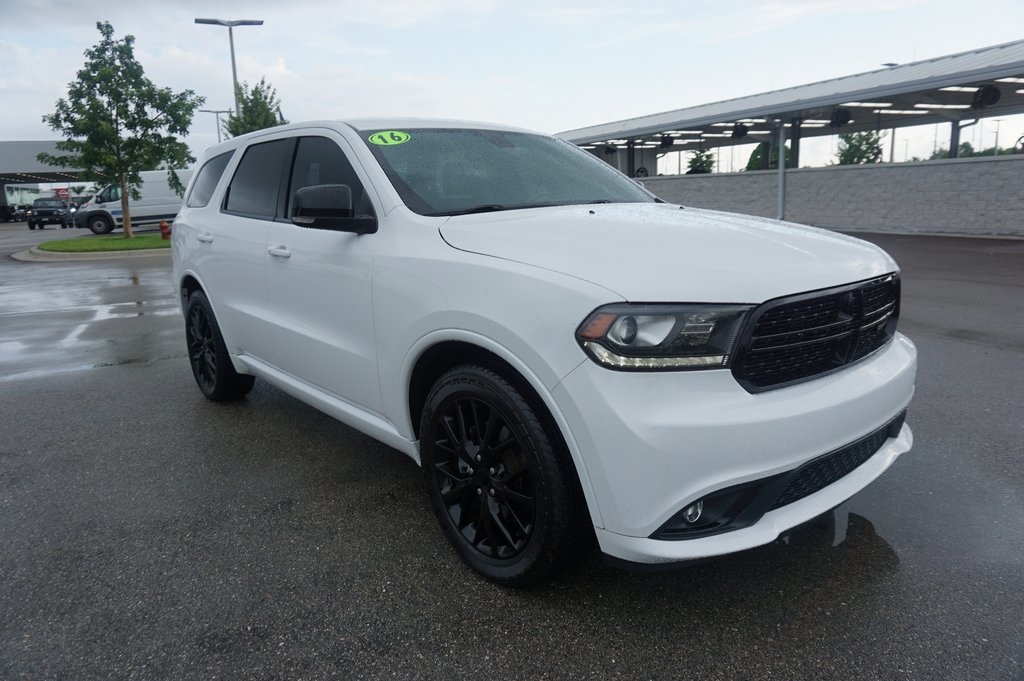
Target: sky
column 550, row 65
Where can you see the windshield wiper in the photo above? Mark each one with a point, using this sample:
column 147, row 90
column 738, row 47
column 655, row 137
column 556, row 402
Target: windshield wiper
column 493, row 207
column 485, row 208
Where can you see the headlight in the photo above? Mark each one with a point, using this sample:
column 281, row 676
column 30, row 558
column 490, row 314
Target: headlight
column 662, row 337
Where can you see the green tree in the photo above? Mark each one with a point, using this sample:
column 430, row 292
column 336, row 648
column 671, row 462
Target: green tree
column 756, row 160
column 77, row 189
column 116, row 122
column 702, row 161
column 260, row 108
column 860, row 147
column 967, row 150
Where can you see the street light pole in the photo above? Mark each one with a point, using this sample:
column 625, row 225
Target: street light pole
column 231, row 41
column 216, row 112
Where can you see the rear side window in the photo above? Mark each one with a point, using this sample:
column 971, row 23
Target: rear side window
column 206, row 181
column 257, row 181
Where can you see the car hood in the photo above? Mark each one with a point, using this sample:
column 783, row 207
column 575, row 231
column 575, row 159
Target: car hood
column 667, row 253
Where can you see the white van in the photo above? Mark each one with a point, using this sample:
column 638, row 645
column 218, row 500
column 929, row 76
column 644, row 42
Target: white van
column 102, row 213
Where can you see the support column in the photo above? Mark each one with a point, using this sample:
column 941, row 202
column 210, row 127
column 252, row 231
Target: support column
column 794, row 145
column 954, row 139
column 782, row 169
column 631, row 158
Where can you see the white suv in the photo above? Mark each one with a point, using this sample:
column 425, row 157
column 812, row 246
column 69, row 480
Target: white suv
column 564, row 354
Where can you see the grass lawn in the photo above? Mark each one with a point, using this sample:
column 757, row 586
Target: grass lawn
column 107, row 242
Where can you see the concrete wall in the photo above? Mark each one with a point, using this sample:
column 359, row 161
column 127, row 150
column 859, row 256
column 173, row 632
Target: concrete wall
column 970, row 196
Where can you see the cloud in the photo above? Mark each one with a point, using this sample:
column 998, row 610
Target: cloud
column 760, row 16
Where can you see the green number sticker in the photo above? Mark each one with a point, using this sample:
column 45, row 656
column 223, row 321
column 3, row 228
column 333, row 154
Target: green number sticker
column 388, row 138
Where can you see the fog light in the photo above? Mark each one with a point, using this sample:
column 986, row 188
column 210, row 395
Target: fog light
column 691, row 513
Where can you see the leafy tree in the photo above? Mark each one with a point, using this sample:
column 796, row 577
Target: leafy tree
column 964, row 150
column 116, row 122
column 756, row 160
column 860, row 147
column 702, row 161
column 77, row 189
column 967, row 150
column 260, row 108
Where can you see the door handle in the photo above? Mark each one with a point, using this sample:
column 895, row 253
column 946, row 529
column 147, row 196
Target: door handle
column 205, row 238
column 279, row 251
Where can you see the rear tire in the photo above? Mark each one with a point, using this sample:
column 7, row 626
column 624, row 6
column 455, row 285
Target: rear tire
column 208, row 355
column 502, row 488
column 32, row 226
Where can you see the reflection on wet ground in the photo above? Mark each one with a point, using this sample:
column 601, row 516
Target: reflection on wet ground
column 66, row 317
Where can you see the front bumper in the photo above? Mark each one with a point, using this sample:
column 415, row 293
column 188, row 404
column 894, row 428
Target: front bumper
column 48, row 219
column 654, row 443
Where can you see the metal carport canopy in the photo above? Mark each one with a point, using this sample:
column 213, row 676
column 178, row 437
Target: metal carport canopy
column 19, row 165
column 939, row 90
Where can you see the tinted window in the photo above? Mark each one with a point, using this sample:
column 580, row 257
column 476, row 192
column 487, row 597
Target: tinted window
column 318, row 160
column 257, row 180
column 448, row 171
column 206, row 181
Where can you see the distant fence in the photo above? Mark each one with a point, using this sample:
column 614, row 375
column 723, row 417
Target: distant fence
column 979, row 195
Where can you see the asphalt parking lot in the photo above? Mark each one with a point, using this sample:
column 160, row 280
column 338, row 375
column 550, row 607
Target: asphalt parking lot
column 146, row 533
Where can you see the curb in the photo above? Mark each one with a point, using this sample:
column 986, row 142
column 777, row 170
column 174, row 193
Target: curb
column 36, row 255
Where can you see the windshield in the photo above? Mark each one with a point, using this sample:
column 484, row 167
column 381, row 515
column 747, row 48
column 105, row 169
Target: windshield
column 441, row 171
column 108, row 194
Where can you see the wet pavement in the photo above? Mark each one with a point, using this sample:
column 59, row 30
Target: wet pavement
column 146, row 533
column 70, row 316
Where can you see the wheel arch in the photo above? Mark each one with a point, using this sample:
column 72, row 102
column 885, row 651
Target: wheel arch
column 189, row 285
column 437, row 358
column 104, row 215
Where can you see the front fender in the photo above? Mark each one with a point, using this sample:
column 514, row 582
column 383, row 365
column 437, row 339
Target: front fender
column 417, row 350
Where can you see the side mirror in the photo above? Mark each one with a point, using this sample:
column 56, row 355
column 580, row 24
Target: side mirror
column 329, row 206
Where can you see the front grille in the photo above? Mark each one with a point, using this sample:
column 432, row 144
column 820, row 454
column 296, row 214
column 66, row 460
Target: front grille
column 823, row 471
column 797, row 338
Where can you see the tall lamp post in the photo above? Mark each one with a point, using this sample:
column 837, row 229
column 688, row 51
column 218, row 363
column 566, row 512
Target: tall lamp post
column 216, row 112
column 231, row 39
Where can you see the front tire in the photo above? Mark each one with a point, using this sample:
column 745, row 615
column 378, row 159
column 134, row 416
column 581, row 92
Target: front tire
column 501, row 487
column 208, row 355
column 100, row 224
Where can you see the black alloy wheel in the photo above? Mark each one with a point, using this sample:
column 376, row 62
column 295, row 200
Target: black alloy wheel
column 505, row 494
column 208, row 355
column 202, row 349
column 484, row 479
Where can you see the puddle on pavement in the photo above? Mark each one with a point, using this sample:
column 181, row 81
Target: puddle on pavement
column 11, row 350
column 46, row 330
